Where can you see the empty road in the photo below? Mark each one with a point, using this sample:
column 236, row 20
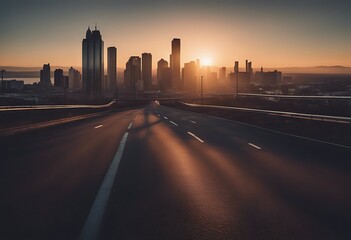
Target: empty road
column 163, row 173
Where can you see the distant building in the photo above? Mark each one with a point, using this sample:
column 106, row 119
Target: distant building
column 175, row 64
column 111, row 68
column 45, row 78
column 132, row 73
column 93, row 63
column 268, row 78
column 222, row 73
column 244, row 77
column 58, row 78
column 164, row 75
column 74, row 77
column 13, row 84
column 147, row 70
column 189, row 77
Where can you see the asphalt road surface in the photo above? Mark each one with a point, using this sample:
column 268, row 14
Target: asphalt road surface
column 162, row 173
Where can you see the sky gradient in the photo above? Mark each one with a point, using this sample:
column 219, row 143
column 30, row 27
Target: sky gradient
column 269, row 33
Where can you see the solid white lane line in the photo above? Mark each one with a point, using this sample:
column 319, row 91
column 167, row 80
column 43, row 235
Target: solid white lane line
column 165, row 117
column 255, row 146
column 92, row 223
column 196, row 137
column 99, row 126
column 130, row 125
column 173, row 123
column 192, row 121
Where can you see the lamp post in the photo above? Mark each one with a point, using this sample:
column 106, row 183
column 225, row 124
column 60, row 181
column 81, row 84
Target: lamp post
column 202, row 78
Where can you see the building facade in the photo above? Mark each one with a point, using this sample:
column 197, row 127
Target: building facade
column 147, row 70
column 132, row 73
column 111, row 68
column 45, row 75
column 93, row 64
column 175, row 64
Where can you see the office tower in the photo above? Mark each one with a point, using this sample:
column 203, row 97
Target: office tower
column 132, row 73
column 74, row 78
column 45, row 78
column 111, row 68
column 93, row 63
column 189, row 77
column 175, row 64
column 147, row 70
column 236, row 67
column 164, row 75
column 58, row 78
column 222, row 73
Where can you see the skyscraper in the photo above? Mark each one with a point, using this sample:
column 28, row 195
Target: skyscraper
column 45, row 78
column 175, row 64
column 189, row 77
column 74, row 78
column 93, row 63
column 111, row 68
column 164, row 75
column 58, row 78
column 132, row 73
column 147, row 70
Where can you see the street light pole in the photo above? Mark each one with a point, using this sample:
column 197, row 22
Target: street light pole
column 202, row 78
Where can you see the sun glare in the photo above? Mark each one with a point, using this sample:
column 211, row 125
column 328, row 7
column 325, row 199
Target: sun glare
column 206, row 61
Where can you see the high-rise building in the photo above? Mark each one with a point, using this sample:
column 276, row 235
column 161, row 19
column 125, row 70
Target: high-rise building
column 111, row 68
column 132, row 73
column 164, row 75
column 147, row 70
column 175, row 64
column 74, row 77
column 45, row 78
column 58, row 78
column 222, row 73
column 93, row 63
column 189, row 77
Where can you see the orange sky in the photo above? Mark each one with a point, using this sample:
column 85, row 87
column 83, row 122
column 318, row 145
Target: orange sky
column 267, row 38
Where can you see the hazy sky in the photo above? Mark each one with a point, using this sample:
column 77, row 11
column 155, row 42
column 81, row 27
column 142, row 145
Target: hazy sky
column 269, row 33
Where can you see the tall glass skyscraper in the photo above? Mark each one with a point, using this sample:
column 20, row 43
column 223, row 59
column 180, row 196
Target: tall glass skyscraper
column 175, row 64
column 146, row 59
column 93, row 63
column 111, row 68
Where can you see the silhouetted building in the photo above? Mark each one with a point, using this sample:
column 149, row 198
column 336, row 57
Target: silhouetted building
column 268, row 78
column 189, row 77
column 45, row 78
column 175, row 64
column 13, row 84
column 93, row 63
column 111, row 68
column 58, row 78
column 244, row 77
column 132, row 73
column 147, row 71
column 74, row 79
column 222, row 73
column 164, row 75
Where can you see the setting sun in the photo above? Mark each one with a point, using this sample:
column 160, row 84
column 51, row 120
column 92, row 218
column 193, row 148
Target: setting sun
column 206, row 61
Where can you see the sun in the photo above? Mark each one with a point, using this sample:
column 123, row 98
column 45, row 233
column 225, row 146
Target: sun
column 206, row 61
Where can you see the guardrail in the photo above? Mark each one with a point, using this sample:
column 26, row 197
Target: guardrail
column 48, row 107
column 316, row 117
column 315, row 97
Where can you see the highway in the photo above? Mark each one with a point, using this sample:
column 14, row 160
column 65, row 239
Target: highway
column 162, row 173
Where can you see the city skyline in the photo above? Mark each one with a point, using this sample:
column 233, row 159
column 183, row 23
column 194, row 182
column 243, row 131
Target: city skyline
column 270, row 34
